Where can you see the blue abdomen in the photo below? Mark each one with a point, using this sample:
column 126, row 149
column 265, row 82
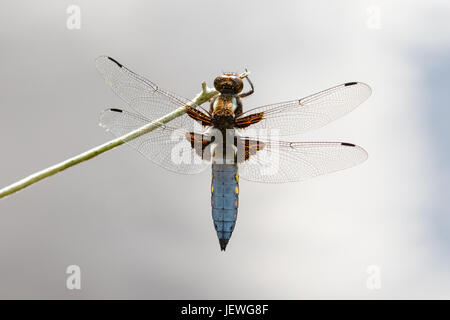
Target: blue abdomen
column 224, row 200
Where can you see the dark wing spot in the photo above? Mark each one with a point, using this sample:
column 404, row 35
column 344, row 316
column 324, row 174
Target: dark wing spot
column 348, row 144
column 115, row 110
column 115, row 62
column 350, row 84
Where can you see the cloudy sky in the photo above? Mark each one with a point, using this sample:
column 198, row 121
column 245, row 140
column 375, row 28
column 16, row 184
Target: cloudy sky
column 137, row 231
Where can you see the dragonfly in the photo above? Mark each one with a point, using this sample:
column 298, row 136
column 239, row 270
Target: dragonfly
column 235, row 143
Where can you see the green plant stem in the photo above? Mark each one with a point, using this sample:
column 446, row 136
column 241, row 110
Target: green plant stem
column 204, row 96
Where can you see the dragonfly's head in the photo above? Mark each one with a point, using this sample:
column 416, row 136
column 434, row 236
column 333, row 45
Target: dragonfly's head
column 228, row 83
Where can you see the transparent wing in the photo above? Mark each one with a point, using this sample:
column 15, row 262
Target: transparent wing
column 314, row 111
column 280, row 161
column 141, row 94
column 166, row 146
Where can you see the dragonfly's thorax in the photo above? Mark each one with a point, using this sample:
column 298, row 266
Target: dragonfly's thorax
column 224, row 106
column 223, row 111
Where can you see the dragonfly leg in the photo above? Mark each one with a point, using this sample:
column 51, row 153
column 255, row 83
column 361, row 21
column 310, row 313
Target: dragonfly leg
column 246, row 94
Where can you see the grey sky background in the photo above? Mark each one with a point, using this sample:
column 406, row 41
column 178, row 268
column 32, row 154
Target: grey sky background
column 138, row 231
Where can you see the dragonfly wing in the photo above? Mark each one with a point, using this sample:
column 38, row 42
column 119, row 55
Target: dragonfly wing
column 168, row 147
column 142, row 95
column 127, row 84
column 314, row 111
column 280, row 161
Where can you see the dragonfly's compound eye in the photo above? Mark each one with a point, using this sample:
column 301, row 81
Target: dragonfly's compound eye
column 228, row 83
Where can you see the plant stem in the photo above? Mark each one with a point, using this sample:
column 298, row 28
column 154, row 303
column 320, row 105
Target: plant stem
column 202, row 97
